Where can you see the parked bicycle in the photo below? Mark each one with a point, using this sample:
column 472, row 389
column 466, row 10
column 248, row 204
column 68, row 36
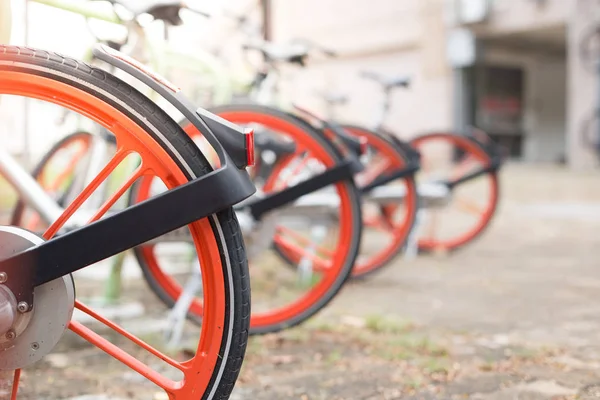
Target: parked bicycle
column 286, row 296
column 37, row 294
column 454, row 206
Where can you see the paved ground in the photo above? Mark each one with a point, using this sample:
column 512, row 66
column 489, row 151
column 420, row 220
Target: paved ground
column 525, row 299
column 516, row 315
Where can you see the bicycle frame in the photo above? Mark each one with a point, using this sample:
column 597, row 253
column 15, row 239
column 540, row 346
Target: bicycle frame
column 225, row 186
column 383, row 111
column 46, row 207
column 160, row 56
column 87, row 9
column 484, row 142
column 28, row 188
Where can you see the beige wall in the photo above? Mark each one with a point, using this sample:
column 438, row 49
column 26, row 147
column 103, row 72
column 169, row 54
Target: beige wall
column 392, row 37
column 5, row 21
column 546, row 142
column 513, row 16
column 544, row 100
column 582, row 86
column 532, row 35
column 350, row 26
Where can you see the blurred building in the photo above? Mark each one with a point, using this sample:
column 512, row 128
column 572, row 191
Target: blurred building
column 511, row 67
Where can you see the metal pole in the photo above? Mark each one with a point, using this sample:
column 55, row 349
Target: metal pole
column 459, row 92
column 266, row 8
column 597, row 141
column 26, row 149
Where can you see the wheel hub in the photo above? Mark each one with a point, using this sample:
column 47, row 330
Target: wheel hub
column 26, row 337
column 8, row 310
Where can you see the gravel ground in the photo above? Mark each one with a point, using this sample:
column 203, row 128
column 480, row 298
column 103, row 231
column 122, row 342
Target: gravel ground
column 515, row 315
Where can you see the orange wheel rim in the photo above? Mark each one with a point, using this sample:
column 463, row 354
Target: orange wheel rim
column 483, row 214
column 398, row 229
column 330, row 272
column 198, row 370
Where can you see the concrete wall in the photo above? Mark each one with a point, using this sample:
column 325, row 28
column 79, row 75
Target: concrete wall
column 583, row 92
column 544, row 101
column 514, row 16
column 392, row 37
column 546, row 142
column 351, row 26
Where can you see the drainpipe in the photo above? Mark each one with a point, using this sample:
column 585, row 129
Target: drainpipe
column 463, row 52
column 266, row 8
column 26, row 148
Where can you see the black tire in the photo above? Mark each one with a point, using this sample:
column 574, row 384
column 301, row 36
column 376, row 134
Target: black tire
column 400, row 149
column 356, row 223
column 192, row 163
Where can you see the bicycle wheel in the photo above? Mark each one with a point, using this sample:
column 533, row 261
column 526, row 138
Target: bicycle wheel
column 388, row 222
column 386, row 225
column 281, row 296
column 470, row 206
column 144, row 130
column 69, row 154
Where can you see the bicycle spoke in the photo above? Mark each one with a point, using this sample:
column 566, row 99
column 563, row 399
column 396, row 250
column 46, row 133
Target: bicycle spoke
column 303, row 240
column 468, row 206
column 55, row 184
column 117, row 195
column 374, row 172
column 298, row 252
column 90, row 179
column 282, row 181
column 120, row 355
column 15, row 384
column 380, row 223
column 87, row 192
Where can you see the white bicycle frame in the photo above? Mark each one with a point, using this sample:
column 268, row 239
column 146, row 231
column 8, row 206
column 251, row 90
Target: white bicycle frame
column 35, row 197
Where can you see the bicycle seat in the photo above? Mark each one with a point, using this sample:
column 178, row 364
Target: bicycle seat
column 292, row 52
column 164, row 10
column 387, row 82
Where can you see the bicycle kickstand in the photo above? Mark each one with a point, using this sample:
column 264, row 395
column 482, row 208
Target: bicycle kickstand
column 412, row 241
column 178, row 314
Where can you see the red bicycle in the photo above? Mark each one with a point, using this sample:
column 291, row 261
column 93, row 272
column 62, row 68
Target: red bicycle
column 37, row 290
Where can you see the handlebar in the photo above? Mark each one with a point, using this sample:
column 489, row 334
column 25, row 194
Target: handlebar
column 312, row 45
column 195, row 10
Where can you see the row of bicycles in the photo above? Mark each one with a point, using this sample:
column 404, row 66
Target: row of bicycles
column 215, row 204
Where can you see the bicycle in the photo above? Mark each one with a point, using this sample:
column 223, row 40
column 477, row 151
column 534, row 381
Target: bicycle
column 388, row 167
column 162, row 59
column 388, row 191
column 320, row 286
column 210, row 74
column 403, row 159
column 460, row 159
column 37, row 293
